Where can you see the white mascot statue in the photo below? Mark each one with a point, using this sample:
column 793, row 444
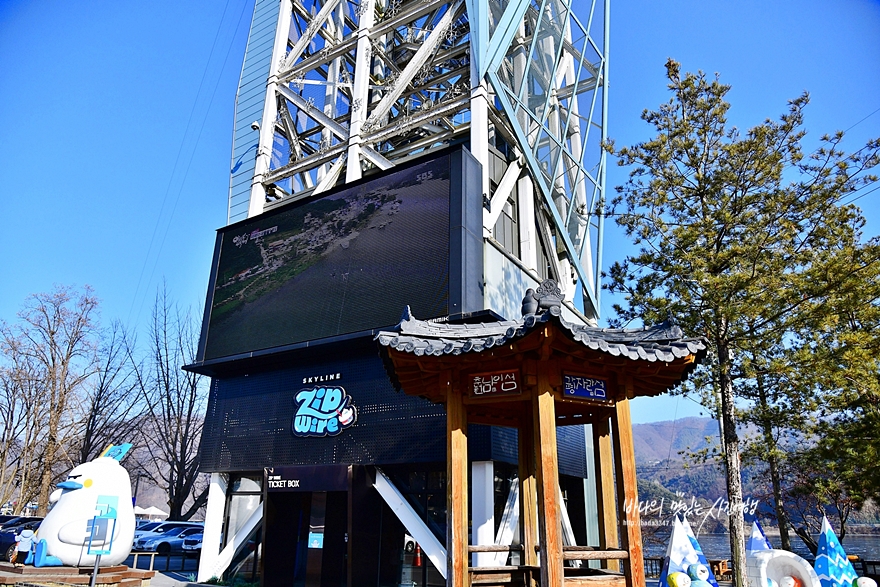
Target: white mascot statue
column 93, row 515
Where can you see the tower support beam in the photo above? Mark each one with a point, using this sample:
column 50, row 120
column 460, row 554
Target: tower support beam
column 384, row 81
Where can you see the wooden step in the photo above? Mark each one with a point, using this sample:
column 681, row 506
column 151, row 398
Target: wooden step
column 6, row 567
column 101, row 570
column 593, row 578
column 496, row 576
column 139, row 574
column 115, row 576
column 40, row 579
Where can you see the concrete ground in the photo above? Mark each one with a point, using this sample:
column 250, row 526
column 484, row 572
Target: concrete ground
column 172, row 579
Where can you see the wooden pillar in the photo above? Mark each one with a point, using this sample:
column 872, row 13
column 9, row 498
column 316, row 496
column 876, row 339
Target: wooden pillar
column 547, row 477
column 627, row 494
column 528, row 496
column 456, row 487
column 605, row 499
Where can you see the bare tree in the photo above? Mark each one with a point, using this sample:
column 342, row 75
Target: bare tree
column 55, row 336
column 22, row 424
column 112, row 409
column 174, row 404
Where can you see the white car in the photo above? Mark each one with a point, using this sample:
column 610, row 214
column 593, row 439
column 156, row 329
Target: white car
column 166, row 542
column 192, row 545
column 141, row 529
column 162, row 527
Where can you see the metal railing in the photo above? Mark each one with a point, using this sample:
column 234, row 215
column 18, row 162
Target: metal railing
column 172, row 561
column 569, row 553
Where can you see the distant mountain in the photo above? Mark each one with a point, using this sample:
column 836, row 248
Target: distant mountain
column 666, row 474
column 660, row 441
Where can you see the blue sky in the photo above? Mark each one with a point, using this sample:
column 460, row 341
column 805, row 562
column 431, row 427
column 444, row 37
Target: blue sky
column 116, row 125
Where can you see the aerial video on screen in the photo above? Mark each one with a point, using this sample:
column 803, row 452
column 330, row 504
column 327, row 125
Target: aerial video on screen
column 343, row 263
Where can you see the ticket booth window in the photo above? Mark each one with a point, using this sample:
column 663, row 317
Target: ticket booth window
column 242, row 499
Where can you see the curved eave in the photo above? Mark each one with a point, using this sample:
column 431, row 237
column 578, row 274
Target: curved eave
column 647, row 362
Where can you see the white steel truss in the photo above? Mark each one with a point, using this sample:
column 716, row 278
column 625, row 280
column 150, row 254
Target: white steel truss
column 355, row 87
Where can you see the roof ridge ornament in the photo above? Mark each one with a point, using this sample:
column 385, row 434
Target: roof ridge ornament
column 548, row 296
column 406, row 316
column 664, row 331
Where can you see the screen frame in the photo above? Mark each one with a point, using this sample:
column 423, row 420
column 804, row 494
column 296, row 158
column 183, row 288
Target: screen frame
column 465, row 258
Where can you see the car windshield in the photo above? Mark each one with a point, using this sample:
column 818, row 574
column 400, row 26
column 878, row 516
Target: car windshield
column 23, row 523
column 148, row 527
column 191, row 531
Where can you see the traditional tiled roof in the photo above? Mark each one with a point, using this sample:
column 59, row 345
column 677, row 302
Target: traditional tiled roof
column 419, row 354
column 664, row 342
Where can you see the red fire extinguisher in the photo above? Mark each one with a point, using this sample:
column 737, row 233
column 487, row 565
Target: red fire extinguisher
column 417, row 557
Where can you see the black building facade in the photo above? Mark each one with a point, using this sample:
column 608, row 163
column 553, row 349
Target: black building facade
column 303, row 422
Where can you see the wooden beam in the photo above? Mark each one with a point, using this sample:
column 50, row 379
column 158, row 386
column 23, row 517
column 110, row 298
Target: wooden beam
column 547, row 477
column 594, row 555
column 528, row 493
column 494, row 548
column 596, row 581
column 457, row 561
column 627, row 494
column 605, row 499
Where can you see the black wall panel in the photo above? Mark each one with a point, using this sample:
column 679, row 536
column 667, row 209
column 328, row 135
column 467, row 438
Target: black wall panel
column 248, row 424
column 249, row 419
column 570, row 448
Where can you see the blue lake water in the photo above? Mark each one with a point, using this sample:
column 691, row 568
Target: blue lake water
column 717, row 546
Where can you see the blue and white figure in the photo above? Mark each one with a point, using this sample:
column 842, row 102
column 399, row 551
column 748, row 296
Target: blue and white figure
column 98, row 489
column 699, row 575
column 699, row 550
column 323, row 411
column 832, row 566
column 680, row 554
column 757, row 540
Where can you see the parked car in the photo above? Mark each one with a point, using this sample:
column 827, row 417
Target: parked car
column 166, row 542
column 8, row 534
column 142, row 529
column 192, row 545
column 16, row 521
column 7, row 546
column 161, row 527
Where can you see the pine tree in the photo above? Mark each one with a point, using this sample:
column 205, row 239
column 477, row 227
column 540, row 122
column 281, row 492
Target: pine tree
column 737, row 233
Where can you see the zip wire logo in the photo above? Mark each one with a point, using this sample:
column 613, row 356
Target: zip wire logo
column 323, row 411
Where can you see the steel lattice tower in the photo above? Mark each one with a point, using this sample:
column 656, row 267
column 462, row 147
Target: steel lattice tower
column 336, row 89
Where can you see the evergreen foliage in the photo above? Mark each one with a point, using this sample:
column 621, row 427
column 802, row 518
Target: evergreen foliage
column 743, row 239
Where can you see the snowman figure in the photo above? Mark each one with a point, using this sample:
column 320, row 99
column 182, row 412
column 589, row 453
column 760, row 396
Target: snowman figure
column 699, row 575
column 678, row 580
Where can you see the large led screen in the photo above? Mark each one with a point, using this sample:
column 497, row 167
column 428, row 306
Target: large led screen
column 336, row 264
